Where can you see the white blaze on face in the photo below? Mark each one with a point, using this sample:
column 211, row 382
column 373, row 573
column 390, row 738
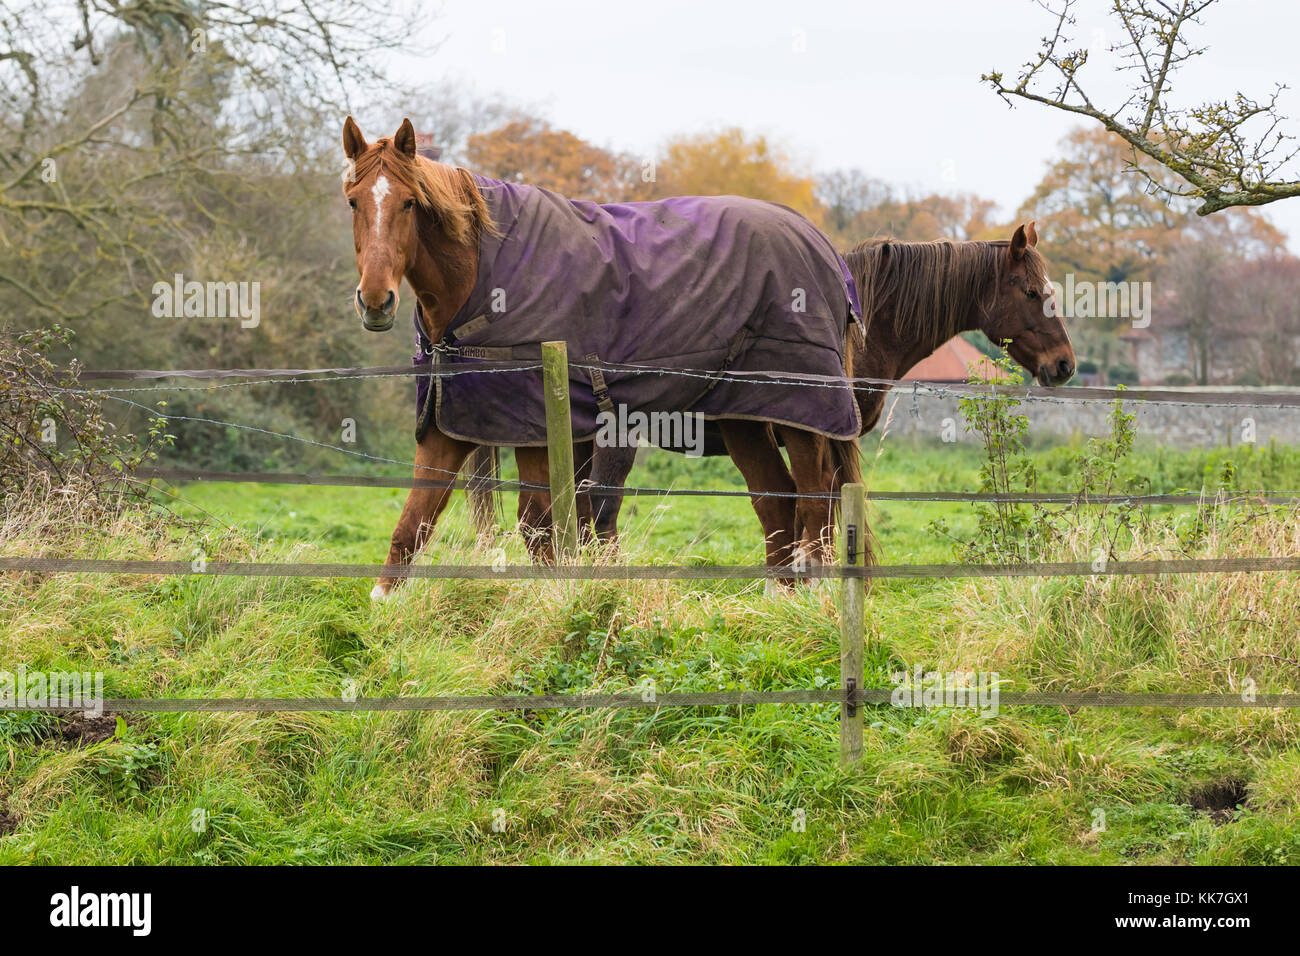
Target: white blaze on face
column 378, row 192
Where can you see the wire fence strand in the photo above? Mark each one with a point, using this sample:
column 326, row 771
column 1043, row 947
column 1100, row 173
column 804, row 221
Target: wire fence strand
column 647, row 700
column 1078, row 393
column 485, row 483
column 653, row 572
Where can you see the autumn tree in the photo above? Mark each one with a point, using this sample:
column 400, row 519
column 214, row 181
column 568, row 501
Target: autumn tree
column 1103, row 225
column 859, row 207
column 1240, row 318
column 141, row 141
column 1100, row 223
column 452, row 113
column 531, row 151
column 732, row 163
column 1265, row 294
column 848, row 194
column 121, row 120
column 1194, row 282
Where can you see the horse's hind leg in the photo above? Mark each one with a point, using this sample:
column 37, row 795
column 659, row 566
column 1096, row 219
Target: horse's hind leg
column 610, row 473
column 755, row 452
column 535, row 503
column 437, row 458
column 814, row 477
column 584, row 462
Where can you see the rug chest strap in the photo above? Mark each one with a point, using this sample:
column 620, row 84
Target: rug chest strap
column 424, row 416
column 494, row 353
column 491, row 353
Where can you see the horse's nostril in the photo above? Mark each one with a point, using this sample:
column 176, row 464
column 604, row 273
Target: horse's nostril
column 389, row 306
column 1064, row 368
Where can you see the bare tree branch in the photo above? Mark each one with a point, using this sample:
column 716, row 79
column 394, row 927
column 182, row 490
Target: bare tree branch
column 1230, row 152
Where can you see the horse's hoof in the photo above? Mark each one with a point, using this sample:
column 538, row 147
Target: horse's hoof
column 380, row 593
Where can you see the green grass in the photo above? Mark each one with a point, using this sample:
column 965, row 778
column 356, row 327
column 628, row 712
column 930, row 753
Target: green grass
column 680, row 785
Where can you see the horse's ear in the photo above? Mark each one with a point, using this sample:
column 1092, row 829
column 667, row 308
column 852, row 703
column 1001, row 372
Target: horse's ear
column 1016, row 251
column 1031, row 232
column 404, row 139
column 354, row 144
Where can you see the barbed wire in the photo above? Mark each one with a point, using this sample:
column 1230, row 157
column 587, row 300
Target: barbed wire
column 486, row 482
column 1064, row 394
column 298, row 438
column 1069, row 394
column 290, row 380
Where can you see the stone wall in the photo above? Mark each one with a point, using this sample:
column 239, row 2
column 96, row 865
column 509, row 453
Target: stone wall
column 937, row 416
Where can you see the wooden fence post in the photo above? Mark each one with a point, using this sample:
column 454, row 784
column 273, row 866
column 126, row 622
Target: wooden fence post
column 559, row 444
column 852, row 610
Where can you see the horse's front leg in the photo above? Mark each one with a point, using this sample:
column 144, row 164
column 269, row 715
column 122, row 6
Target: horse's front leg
column 437, row 458
column 755, row 452
column 535, row 503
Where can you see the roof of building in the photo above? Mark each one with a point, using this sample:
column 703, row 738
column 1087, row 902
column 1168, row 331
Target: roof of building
column 954, row 361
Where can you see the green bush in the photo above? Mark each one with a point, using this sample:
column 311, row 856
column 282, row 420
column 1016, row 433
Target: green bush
column 55, row 433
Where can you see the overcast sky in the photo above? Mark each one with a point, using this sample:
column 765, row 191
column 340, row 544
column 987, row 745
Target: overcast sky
column 889, row 87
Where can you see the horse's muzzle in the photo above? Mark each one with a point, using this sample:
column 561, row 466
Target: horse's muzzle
column 381, row 319
column 1057, row 373
column 376, row 320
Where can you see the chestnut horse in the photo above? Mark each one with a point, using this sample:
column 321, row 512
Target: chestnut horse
column 417, row 220
column 915, row 297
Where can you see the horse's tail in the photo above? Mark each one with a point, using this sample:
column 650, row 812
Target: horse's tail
column 846, row 455
column 848, row 469
column 866, row 396
column 848, row 461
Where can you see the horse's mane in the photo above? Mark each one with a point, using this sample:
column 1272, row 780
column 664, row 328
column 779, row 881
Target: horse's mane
column 449, row 192
column 934, row 290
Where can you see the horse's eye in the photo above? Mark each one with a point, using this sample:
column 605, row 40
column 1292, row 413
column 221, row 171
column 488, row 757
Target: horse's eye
column 353, row 204
column 1032, row 293
column 409, row 204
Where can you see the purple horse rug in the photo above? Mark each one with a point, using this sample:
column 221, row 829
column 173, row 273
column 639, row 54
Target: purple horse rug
column 719, row 288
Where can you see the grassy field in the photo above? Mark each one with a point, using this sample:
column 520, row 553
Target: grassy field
column 752, row 785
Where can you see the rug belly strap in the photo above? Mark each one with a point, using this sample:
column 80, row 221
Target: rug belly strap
column 598, row 387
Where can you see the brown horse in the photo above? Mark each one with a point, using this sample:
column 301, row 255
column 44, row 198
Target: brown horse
column 422, row 221
column 915, row 297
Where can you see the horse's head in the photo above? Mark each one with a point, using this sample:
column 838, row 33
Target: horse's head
column 411, row 218
column 1023, row 312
